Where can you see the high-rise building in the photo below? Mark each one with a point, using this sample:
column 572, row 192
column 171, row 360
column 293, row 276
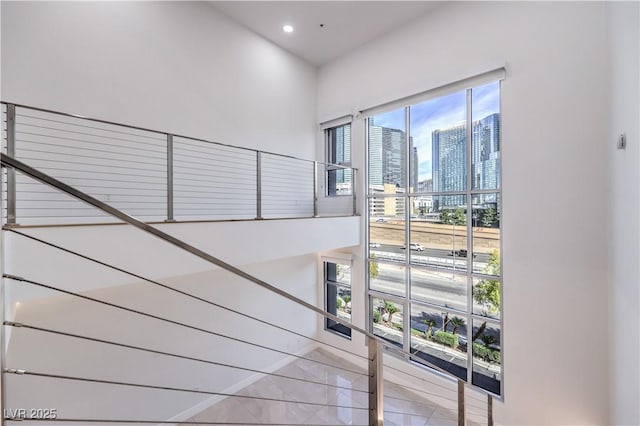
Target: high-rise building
column 449, row 152
column 339, row 152
column 413, row 166
column 343, row 153
column 387, row 157
column 486, row 152
column 375, row 155
column 393, row 156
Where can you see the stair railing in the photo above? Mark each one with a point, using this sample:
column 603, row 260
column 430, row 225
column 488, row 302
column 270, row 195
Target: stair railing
column 376, row 346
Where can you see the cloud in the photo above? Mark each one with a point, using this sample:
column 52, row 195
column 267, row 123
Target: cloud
column 485, row 100
column 392, row 119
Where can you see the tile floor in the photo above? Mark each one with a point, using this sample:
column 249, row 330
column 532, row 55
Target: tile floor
column 345, row 396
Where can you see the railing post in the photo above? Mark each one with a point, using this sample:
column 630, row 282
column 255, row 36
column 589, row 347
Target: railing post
column 169, row 178
column 376, row 381
column 462, row 419
column 3, row 301
column 315, row 189
column 489, row 410
column 353, row 191
column 11, row 173
column 258, row 185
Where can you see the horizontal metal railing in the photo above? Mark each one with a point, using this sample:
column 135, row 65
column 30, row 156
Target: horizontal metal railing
column 155, row 175
column 376, row 345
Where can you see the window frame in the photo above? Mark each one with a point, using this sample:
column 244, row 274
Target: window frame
column 330, row 143
column 409, row 304
column 330, row 325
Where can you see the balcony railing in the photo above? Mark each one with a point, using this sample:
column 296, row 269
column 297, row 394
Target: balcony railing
column 155, row 176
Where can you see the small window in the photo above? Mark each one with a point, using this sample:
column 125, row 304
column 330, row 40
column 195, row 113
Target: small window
column 337, row 283
column 338, row 140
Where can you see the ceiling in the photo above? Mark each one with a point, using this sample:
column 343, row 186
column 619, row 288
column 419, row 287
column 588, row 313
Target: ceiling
column 323, row 30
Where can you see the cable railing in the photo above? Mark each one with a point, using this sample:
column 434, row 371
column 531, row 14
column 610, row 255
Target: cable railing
column 155, row 176
column 363, row 383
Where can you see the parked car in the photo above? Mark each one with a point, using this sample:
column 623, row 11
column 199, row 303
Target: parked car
column 374, row 245
column 416, row 247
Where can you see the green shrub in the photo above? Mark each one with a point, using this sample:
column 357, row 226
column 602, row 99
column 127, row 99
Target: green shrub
column 447, row 339
column 486, row 354
column 397, row 326
column 346, row 298
column 480, row 351
column 376, row 317
column 339, row 303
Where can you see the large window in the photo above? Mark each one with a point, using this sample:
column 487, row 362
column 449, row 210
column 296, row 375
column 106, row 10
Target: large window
column 337, row 283
column 434, row 231
column 338, row 152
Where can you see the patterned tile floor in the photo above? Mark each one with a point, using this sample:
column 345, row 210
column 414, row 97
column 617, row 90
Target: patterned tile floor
column 342, row 403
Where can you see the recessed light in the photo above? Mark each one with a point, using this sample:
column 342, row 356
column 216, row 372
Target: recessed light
column 287, row 29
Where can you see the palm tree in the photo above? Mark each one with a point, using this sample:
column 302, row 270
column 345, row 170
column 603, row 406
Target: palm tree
column 391, row 309
column 487, row 339
column 445, row 322
column 480, row 331
column 457, row 322
column 430, row 324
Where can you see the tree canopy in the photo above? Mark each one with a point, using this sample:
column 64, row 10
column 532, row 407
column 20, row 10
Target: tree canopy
column 490, row 218
column 374, row 269
column 487, row 292
column 453, row 217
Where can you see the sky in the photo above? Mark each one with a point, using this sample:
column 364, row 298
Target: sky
column 440, row 113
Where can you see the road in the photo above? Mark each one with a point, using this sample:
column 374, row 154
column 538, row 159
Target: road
column 435, row 287
column 431, row 257
column 439, row 288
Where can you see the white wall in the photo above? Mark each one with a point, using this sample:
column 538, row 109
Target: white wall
column 173, row 66
column 624, row 328
column 555, row 179
column 237, row 243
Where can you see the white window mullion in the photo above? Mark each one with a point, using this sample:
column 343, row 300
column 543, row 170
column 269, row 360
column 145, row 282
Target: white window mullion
column 469, row 183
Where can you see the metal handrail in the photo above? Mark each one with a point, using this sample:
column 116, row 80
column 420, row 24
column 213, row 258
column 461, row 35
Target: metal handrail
column 262, row 165
column 10, row 162
column 175, row 135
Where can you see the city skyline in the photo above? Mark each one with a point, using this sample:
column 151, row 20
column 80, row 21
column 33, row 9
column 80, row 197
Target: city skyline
column 440, row 114
column 448, row 156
